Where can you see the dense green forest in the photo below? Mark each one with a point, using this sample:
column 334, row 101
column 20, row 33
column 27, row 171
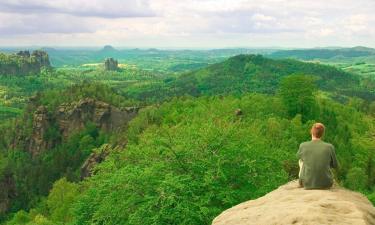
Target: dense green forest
column 23, row 63
column 205, row 139
column 161, row 60
column 325, row 54
column 254, row 73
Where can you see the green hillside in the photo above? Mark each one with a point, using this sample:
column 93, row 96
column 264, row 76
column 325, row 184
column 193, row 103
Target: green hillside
column 311, row 54
column 81, row 153
column 252, row 73
column 191, row 158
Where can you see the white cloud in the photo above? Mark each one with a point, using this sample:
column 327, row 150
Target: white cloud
column 189, row 23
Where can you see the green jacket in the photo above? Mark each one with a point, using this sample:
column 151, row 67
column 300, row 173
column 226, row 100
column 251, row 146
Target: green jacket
column 318, row 157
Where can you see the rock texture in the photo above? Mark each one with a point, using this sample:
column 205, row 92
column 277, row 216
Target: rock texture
column 110, row 64
column 7, row 191
column 42, row 121
column 70, row 118
column 23, row 63
column 290, row 204
column 95, row 158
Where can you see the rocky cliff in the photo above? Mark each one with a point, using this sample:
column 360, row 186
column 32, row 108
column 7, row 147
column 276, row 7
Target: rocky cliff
column 23, row 63
column 41, row 129
column 290, row 204
column 110, row 64
column 48, row 128
column 7, row 192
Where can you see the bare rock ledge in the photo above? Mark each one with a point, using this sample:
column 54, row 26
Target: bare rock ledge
column 290, row 204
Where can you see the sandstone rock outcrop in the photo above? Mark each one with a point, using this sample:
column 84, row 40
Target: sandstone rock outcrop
column 24, row 63
column 70, row 118
column 111, row 64
column 8, row 191
column 290, row 204
column 95, row 158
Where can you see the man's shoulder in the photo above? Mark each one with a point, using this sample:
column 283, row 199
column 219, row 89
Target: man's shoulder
column 307, row 143
column 304, row 143
column 328, row 144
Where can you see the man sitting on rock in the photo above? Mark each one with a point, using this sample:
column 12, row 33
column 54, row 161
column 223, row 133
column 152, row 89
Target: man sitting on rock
column 316, row 158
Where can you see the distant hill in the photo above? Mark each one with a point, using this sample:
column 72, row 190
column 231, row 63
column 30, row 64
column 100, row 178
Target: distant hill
column 311, row 54
column 170, row 60
column 108, row 48
column 254, row 73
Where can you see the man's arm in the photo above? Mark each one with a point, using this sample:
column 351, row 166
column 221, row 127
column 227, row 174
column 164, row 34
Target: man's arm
column 334, row 163
column 299, row 153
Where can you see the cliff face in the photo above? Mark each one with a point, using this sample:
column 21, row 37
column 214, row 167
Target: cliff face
column 43, row 129
column 111, row 64
column 290, row 204
column 8, row 190
column 49, row 127
column 23, row 63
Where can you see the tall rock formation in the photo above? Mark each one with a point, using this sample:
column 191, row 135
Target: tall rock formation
column 24, row 63
column 290, row 204
column 69, row 118
column 7, row 192
column 111, row 64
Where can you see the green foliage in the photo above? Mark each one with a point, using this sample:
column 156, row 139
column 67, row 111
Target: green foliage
column 21, row 217
column 313, row 54
column 53, row 98
column 371, row 197
column 356, row 179
column 60, row 199
column 16, row 65
column 190, row 158
column 34, row 176
column 187, row 159
column 297, row 92
column 164, row 177
column 251, row 73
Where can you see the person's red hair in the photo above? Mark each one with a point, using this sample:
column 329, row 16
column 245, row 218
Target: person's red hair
column 317, row 130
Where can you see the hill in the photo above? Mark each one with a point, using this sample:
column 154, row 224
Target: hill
column 253, row 73
column 186, row 161
column 338, row 54
column 290, row 204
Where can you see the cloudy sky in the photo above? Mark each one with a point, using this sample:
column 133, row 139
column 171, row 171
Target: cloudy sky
column 188, row 23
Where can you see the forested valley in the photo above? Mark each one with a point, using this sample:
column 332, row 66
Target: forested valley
column 176, row 138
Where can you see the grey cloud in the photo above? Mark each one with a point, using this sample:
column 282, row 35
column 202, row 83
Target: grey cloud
column 93, row 8
column 37, row 25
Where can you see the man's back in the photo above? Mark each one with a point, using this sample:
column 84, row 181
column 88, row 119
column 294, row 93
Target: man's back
column 318, row 157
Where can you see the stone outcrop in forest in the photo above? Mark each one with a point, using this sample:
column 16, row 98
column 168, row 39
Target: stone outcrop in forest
column 24, row 63
column 95, row 158
column 8, row 191
column 290, row 204
column 111, row 64
column 49, row 127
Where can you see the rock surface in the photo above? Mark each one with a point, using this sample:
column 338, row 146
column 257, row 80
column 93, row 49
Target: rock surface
column 69, row 118
column 290, row 204
column 72, row 117
column 24, row 63
column 95, row 158
column 111, row 64
column 7, row 191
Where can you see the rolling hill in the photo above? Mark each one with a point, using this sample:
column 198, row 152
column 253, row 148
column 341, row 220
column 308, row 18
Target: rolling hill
column 252, row 73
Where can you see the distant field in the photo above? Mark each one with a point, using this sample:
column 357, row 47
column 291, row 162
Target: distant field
column 363, row 69
column 8, row 112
